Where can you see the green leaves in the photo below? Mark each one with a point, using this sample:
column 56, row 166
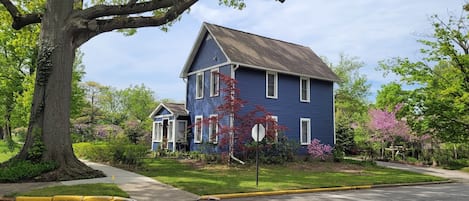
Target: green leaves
column 439, row 102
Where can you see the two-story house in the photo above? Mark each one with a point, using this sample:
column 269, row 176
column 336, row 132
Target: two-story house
column 289, row 80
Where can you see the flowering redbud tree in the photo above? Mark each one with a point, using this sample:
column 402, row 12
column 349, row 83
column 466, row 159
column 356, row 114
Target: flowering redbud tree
column 387, row 128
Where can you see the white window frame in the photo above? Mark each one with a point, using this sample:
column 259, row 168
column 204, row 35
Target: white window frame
column 157, row 131
column 267, row 73
column 199, row 85
column 210, row 129
column 214, row 82
column 308, row 90
column 170, row 130
column 308, row 132
column 196, row 128
column 276, row 131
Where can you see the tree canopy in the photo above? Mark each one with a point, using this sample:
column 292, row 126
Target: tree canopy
column 440, row 100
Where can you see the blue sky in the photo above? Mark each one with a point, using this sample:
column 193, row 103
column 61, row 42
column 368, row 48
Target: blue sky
column 372, row 30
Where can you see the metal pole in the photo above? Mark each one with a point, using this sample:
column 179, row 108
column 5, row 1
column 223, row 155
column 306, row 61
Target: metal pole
column 257, row 157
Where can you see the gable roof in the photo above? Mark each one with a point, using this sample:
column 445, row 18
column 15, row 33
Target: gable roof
column 177, row 109
column 254, row 51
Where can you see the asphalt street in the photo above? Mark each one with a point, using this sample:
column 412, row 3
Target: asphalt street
column 434, row 192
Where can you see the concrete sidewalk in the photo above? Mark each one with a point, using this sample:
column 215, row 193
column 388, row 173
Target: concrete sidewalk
column 139, row 187
column 454, row 175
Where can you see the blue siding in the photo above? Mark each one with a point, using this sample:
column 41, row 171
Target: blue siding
column 205, row 106
column 208, row 54
column 163, row 111
column 288, row 107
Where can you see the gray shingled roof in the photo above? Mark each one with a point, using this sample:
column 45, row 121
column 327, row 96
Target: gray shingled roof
column 250, row 50
column 178, row 109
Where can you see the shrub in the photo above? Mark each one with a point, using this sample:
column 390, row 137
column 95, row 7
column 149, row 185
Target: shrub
column 273, row 153
column 319, row 151
column 24, row 170
column 117, row 152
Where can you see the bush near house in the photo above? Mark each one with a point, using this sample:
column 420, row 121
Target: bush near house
column 117, row 152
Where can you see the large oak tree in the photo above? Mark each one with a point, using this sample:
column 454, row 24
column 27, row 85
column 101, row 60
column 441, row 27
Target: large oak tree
column 65, row 26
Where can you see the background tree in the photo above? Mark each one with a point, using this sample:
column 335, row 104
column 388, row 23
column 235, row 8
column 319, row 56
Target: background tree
column 351, row 103
column 387, row 128
column 440, row 100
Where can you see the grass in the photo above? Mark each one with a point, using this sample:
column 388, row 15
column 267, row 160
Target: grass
column 6, row 153
column 466, row 169
column 216, row 179
column 99, row 189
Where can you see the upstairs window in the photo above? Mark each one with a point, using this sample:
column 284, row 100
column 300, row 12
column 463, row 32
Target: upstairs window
column 271, row 84
column 198, row 129
column 199, row 88
column 213, row 129
column 304, row 90
column 305, row 131
column 214, row 82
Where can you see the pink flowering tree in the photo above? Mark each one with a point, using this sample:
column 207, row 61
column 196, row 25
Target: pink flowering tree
column 386, row 128
column 319, row 151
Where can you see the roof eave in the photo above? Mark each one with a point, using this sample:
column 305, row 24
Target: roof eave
column 284, row 72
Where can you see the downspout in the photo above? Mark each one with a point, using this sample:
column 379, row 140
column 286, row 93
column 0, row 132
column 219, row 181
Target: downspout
column 231, row 148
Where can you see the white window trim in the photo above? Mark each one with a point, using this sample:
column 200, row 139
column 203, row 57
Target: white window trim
column 275, row 96
column 156, row 136
column 308, row 90
column 214, row 92
column 197, row 86
column 171, row 132
column 196, row 128
column 308, row 137
column 276, row 131
column 210, row 129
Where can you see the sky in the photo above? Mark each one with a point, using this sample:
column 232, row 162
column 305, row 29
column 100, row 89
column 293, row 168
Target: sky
column 372, row 30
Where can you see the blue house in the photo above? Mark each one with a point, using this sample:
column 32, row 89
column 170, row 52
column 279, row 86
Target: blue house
column 289, row 80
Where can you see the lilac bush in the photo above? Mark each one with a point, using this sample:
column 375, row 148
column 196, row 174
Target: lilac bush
column 319, row 151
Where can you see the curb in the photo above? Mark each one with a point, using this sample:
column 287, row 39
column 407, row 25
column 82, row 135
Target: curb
column 313, row 190
column 73, row 198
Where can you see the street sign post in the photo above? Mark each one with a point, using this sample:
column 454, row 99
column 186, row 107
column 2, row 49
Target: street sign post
column 257, row 133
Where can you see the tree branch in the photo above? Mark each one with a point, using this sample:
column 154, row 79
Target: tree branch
column 127, row 9
column 20, row 20
column 86, row 29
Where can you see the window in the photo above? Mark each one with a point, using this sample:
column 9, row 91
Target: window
column 271, row 128
column 198, row 129
column 199, row 82
column 170, row 131
column 271, row 82
column 181, row 131
column 157, row 131
column 304, row 90
column 213, row 129
column 305, row 131
column 214, row 82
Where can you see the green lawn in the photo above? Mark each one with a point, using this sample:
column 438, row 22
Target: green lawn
column 5, row 153
column 82, row 189
column 216, row 179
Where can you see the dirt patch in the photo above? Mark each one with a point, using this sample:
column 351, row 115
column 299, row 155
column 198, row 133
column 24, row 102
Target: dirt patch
column 326, row 166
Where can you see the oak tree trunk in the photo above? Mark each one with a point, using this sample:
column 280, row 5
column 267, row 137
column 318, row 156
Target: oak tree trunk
column 49, row 125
